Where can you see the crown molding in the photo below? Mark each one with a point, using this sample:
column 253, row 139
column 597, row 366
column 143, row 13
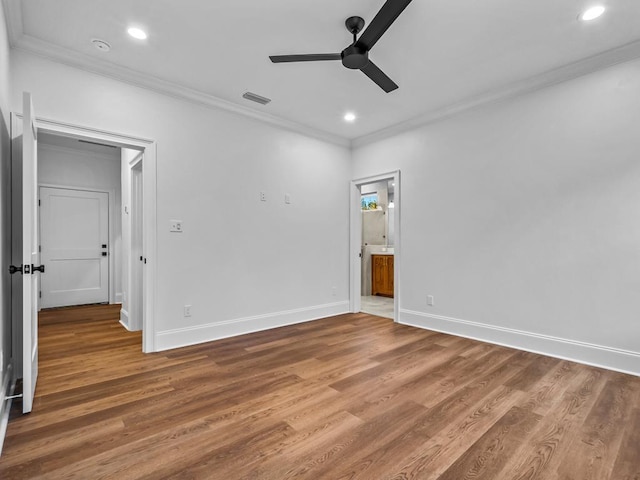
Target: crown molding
column 13, row 19
column 600, row 61
column 19, row 41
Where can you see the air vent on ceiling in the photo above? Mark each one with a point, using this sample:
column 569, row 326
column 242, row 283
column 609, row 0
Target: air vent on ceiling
column 256, row 98
column 96, row 143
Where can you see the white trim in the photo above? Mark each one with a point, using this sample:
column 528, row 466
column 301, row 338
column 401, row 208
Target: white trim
column 355, row 241
column 600, row 61
column 35, row 46
column 124, row 319
column 181, row 337
column 8, row 387
column 51, row 52
column 149, row 200
column 133, row 163
column 135, row 282
column 616, row 359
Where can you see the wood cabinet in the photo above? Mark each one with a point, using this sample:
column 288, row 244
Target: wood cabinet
column 382, row 275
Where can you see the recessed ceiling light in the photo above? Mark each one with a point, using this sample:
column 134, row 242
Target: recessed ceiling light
column 138, row 33
column 350, row 117
column 592, row 13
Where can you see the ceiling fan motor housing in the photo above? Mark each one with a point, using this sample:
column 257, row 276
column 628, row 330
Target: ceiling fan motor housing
column 355, row 57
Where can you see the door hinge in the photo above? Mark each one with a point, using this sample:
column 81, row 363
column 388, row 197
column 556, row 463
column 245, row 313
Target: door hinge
column 40, row 294
column 40, row 248
column 39, row 202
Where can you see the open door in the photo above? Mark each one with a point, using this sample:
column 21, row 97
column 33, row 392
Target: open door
column 29, row 254
column 25, row 250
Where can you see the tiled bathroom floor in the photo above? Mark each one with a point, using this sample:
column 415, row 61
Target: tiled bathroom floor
column 380, row 306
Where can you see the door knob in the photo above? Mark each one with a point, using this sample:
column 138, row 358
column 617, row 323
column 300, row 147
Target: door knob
column 13, row 269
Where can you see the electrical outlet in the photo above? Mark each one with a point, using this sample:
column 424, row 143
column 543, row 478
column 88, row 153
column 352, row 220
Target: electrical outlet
column 187, row 310
column 263, row 197
column 430, row 300
column 287, row 198
column 334, row 291
column 175, row 226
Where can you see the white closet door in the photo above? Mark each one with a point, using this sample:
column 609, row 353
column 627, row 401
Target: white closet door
column 74, row 242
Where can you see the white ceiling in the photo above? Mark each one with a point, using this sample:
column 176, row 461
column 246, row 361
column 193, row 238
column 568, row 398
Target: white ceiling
column 444, row 54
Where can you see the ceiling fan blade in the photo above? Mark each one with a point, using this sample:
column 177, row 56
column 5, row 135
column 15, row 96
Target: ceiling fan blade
column 313, row 57
column 378, row 76
column 381, row 22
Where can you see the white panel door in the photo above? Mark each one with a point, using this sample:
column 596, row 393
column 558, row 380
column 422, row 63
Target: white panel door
column 74, row 246
column 29, row 255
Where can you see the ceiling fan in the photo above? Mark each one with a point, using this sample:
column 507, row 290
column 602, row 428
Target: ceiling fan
column 356, row 55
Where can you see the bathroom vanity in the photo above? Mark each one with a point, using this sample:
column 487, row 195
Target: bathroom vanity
column 382, row 274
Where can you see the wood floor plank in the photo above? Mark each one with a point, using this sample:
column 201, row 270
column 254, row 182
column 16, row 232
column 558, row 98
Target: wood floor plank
column 486, row 458
column 436, row 455
column 598, row 440
column 627, row 466
column 549, row 446
column 353, row 397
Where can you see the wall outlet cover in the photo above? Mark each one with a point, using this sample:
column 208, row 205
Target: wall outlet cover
column 175, row 226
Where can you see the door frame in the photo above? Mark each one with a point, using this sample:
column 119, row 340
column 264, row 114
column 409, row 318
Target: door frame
column 149, row 149
column 355, row 240
column 111, row 219
column 135, row 268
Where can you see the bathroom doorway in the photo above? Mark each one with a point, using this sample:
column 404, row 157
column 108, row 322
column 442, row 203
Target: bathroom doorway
column 375, row 245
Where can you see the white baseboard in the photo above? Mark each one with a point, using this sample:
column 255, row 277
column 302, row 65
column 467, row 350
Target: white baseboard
column 595, row 355
column 118, row 297
column 8, row 387
column 181, row 337
column 124, row 319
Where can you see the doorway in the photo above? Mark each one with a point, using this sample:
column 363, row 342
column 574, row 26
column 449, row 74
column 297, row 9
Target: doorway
column 147, row 206
column 375, row 245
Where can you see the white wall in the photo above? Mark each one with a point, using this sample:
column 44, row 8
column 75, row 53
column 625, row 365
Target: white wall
column 82, row 168
column 241, row 263
column 5, row 215
column 524, row 216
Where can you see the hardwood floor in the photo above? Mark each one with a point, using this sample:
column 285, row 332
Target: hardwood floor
column 348, row 397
